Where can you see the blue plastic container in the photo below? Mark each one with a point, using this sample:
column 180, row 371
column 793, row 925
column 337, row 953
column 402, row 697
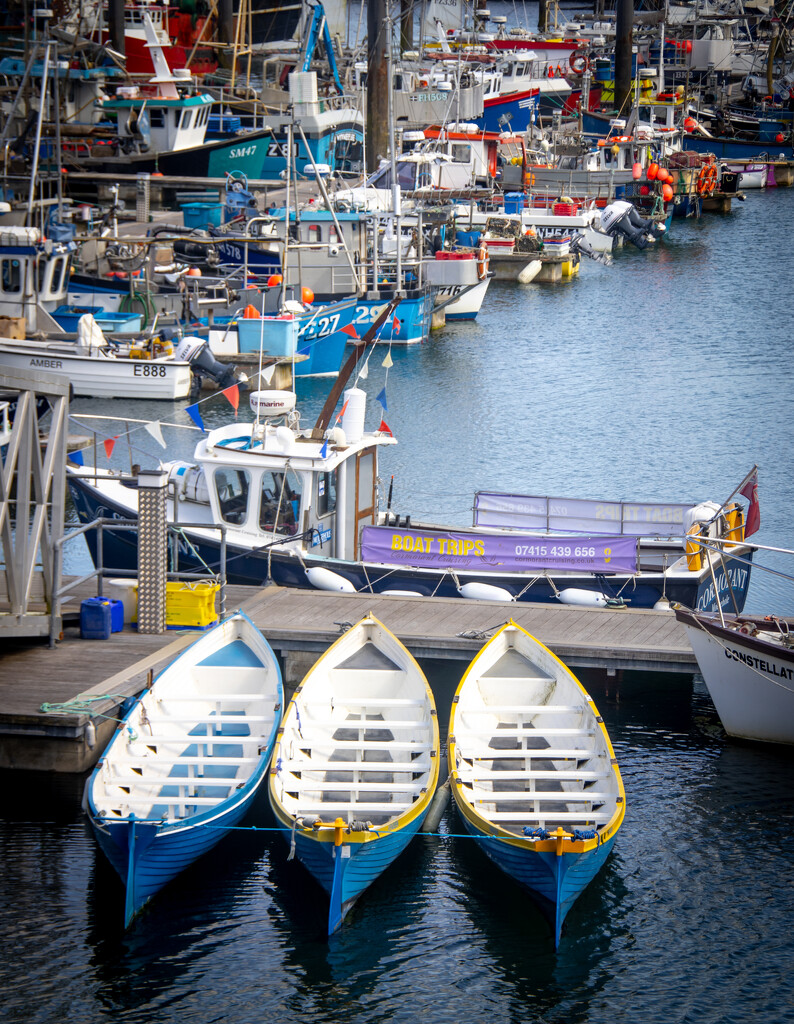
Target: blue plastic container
column 202, row 215
column 96, row 618
column 469, row 238
column 278, row 335
column 514, row 203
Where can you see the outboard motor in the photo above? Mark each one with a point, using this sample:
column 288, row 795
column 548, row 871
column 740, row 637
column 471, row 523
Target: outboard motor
column 203, row 363
column 624, row 219
column 580, row 244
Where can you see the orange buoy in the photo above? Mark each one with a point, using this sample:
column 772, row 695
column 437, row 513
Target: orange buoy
column 194, row 272
column 779, row 137
column 653, row 170
column 636, row 171
column 690, row 124
column 273, row 280
column 307, row 296
column 661, row 174
column 667, row 192
column 250, row 313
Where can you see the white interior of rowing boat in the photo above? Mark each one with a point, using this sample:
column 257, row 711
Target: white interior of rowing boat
column 530, row 752
column 195, row 738
column 358, row 736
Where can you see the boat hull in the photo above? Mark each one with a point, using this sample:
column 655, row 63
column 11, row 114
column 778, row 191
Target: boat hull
column 751, row 682
column 553, row 881
column 247, row 567
column 106, row 378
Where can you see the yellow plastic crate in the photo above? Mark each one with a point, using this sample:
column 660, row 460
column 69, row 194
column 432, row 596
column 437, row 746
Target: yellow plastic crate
column 190, row 605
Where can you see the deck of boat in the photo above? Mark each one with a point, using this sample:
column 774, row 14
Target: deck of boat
column 299, row 624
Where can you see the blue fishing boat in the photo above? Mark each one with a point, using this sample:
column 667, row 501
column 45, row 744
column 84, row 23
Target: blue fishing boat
column 356, row 763
column 187, row 759
column 533, row 771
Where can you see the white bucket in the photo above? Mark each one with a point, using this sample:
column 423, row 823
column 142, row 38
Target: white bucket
column 124, row 590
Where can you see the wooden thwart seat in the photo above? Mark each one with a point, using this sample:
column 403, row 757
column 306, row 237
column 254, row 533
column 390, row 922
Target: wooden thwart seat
column 547, row 753
column 398, row 767
column 509, row 775
column 310, row 785
column 172, row 780
column 565, row 796
column 156, row 761
column 524, row 709
column 582, row 818
column 338, row 808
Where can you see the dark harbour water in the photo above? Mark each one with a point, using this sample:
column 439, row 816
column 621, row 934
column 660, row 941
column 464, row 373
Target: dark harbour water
column 665, row 376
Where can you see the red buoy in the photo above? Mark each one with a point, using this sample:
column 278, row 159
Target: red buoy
column 653, row 170
column 636, row 171
column 273, row 280
column 307, row 296
column 667, row 192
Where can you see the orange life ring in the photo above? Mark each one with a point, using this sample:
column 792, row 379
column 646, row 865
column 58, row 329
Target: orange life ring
column 707, row 180
column 482, row 263
column 579, row 63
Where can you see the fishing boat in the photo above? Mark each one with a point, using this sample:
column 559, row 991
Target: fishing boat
column 747, row 663
column 356, row 762
column 301, row 506
column 533, row 771
column 187, row 759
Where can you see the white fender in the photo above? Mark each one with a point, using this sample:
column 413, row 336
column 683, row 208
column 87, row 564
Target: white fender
column 401, row 593
column 485, row 592
column 662, row 605
column 572, row 595
column 324, row 579
column 530, row 272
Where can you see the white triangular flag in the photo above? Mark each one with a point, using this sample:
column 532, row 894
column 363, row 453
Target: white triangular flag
column 387, row 362
column 364, row 371
column 267, row 373
column 155, row 430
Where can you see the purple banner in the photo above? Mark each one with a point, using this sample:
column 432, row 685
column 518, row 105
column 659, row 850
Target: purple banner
column 488, row 552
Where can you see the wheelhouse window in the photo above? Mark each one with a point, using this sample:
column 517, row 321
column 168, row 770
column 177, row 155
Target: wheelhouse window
column 232, row 486
column 326, row 493
column 11, row 275
column 157, row 117
column 279, row 505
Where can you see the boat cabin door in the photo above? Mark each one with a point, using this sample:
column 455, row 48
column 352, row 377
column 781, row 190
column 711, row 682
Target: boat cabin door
column 356, row 501
column 365, row 481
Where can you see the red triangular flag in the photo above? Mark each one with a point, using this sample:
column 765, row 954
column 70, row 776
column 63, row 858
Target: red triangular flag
column 110, row 443
column 350, row 329
column 341, row 413
column 233, row 394
column 384, row 428
column 750, row 491
column 395, row 327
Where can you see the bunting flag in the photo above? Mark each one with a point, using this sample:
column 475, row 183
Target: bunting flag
column 306, row 350
column 267, row 373
column 387, row 362
column 324, row 449
column 349, row 329
column 233, row 395
column 109, row 444
column 381, row 397
column 341, row 413
column 76, row 458
column 384, row 428
column 395, row 326
column 750, row 491
column 156, row 431
column 364, row 372
column 195, row 415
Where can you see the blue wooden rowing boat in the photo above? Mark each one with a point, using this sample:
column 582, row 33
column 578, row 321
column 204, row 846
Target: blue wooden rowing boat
column 533, row 771
column 356, row 763
column 187, row 759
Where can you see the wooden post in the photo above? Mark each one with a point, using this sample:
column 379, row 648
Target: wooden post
column 378, row 91
column 623, row 43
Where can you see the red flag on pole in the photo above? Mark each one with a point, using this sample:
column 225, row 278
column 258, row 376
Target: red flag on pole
column 750, row 491
column 384, row 428
column 341, row 413
column 110, row 443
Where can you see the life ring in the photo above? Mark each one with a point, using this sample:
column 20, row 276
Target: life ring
column 707, row 180
column 482, row 263
column 578, row 63
column 665, row 97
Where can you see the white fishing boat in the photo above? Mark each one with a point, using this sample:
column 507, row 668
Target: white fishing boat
column 301, row 506
column 747, row 663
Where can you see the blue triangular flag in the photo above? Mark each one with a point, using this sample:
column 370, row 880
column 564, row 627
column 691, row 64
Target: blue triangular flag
column 381, row 397
column 324, row 449
column 195, row 415
column 76, row 457
column 305, row 351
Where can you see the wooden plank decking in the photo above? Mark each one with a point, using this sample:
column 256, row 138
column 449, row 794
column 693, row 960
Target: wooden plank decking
column 299, row 624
